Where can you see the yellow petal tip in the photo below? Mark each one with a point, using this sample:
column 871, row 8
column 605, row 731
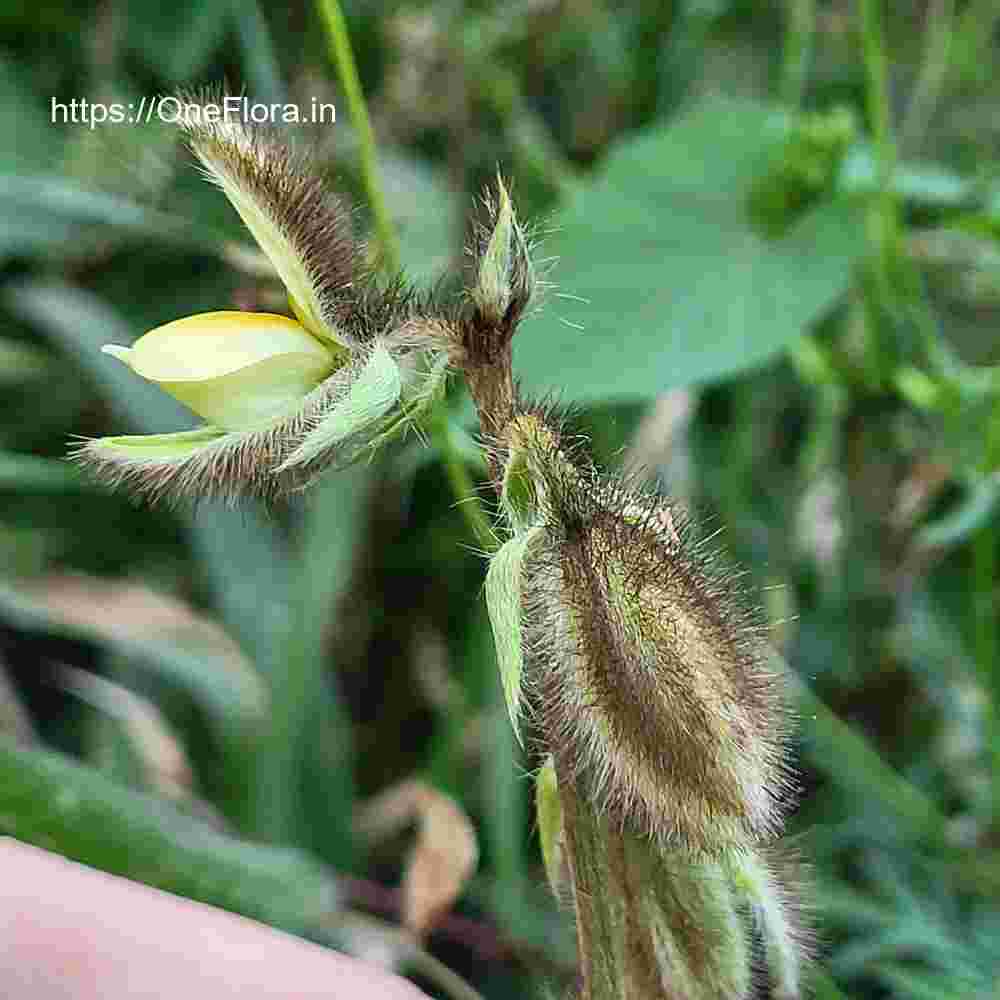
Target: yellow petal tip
column 117, row 351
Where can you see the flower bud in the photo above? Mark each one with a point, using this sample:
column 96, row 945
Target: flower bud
column 238, row 370
column 506, row 278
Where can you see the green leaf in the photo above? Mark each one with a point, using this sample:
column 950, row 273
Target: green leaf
column 38, row 141
column 229, row 706
column 32, row 474
column 21, row 362
column 41, row 212
column 679, row 287
column 51, row 801
column 310, row 732
column 81, row 324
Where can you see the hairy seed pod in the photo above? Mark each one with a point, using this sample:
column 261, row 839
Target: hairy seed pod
column 646, row 673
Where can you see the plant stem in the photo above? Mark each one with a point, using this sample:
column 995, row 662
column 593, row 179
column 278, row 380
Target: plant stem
column 937, row 48
column 343, row 59
column 877, row 94
column 987, row 642
column 462, row 485
column 886, row 214
column 347, row 72
column 801, row 21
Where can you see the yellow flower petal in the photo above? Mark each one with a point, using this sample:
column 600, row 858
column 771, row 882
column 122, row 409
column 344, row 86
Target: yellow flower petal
column 235, row 369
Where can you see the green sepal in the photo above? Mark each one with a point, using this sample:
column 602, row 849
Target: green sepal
column 158, row 447
column 782, row 952
column 548, row 815
column 372, row 394
column 504, row 582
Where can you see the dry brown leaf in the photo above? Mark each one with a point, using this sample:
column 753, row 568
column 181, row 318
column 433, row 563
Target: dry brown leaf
column 15, row 723
column 163, row 758
column 443, row 857
column 135, row 612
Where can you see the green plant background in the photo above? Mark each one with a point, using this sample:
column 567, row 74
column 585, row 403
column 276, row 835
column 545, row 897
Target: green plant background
column 773, row 238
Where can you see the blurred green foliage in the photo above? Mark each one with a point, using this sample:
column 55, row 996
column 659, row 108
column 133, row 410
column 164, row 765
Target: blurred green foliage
column 775, row 232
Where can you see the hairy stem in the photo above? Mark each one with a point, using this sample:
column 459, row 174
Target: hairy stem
column 462, row 485
column 651, row 922
column 886, row 212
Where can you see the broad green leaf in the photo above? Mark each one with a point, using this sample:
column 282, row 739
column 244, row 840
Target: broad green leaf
column 678, row 286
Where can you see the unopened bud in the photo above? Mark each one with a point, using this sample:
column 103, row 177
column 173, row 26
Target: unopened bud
column 506, row 277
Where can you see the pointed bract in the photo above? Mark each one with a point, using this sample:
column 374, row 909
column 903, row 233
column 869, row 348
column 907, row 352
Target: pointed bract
column 504, row 583
column 505, row 275
column 778, row 919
